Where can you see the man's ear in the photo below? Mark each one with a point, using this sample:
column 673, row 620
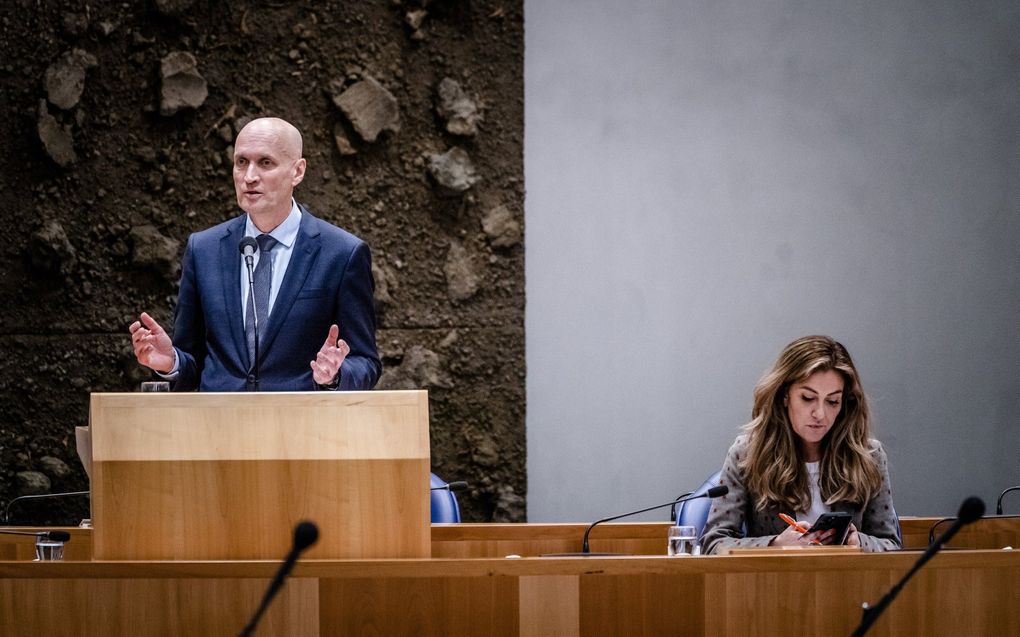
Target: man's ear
column 299, row 172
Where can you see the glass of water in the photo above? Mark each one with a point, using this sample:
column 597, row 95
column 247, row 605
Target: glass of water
column 48, row 550
column 682, row 540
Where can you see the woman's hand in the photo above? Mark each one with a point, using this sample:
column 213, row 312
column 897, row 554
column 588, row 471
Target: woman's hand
column 852, row 538
column 792, row 537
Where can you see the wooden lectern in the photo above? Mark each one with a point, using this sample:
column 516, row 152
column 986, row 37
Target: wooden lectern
column 206, row 476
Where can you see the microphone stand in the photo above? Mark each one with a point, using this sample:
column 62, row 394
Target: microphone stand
column 254, row 319
column 971, row 509
column 998, row 503
column 305, row 534
column 7, row 509
column 53, row 536
column 714, row 492
column 248, row 248
column 453, row 486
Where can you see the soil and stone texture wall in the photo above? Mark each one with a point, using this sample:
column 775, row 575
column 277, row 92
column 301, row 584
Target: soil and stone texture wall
column 117, row 122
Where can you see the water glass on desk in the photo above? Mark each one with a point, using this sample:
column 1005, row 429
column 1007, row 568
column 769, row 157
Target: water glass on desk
column 48, row 550
column 155, row 385
column 682, row 541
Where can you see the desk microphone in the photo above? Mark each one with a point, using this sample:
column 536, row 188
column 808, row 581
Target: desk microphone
column 53, row 536
column 714, row 492
column 998, row 503
column 20, row 498
column 672, row 510
column 453, row 486
column 248, row 247
column 305, row 535
column 971, row 509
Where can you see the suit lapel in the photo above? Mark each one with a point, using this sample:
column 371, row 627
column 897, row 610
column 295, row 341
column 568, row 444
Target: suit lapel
column 306, row 247
column 230, row 266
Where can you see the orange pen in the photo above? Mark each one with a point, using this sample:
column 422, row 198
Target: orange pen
column 796, row 525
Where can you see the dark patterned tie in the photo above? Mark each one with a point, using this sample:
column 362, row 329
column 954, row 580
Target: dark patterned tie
column 263, row 280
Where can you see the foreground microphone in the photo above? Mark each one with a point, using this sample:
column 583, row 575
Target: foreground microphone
column 714, row 492
column 248, row 247
column 453, row 486
column 53, row 536
column 971, row 509
column 305, row 535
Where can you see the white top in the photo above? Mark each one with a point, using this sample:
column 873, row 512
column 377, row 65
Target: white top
column 817, row 506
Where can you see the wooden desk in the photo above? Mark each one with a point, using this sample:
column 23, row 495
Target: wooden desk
column 533, row 540
column 986, row 533
column 958, row 593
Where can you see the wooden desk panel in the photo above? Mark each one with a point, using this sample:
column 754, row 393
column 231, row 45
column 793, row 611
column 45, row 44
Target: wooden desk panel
column 986, row 533
column 533, row 540
column 960, row 592
column 22, row 547
column 86, row 607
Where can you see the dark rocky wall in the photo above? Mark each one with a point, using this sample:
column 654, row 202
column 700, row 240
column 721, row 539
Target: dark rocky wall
column 116, row 122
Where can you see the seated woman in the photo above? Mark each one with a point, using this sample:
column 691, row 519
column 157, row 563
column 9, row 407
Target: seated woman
column 807, row 450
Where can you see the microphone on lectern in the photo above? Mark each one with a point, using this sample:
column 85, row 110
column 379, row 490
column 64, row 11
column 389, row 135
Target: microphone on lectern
column 971, row 509
column 248, row 247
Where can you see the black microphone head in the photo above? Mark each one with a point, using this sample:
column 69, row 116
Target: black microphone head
column 718, row 490
column 305, row 535
column 59, row 536
column 971, row 509
column 457, row 486
column 248, row 246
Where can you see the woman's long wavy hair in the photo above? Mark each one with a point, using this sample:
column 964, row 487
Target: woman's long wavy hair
column 774, row 465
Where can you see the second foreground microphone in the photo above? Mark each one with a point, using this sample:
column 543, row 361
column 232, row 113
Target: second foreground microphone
column 305, row 535
column 714, row 492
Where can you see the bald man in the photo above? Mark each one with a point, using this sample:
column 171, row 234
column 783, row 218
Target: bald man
column 311, row 303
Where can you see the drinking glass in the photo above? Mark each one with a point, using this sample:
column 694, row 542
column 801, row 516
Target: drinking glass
column 681, row 541
column 48, row 550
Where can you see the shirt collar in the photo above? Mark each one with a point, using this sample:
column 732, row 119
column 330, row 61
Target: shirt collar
column 285, row 233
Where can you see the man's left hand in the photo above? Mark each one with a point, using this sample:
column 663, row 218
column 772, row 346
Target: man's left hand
column 331, row 355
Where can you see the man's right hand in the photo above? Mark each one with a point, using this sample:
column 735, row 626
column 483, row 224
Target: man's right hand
column 153, row 347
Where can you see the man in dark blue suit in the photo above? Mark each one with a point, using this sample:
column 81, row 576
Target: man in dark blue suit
column 315, row 283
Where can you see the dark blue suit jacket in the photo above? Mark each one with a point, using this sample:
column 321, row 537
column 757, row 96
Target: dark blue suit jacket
column 328, row 280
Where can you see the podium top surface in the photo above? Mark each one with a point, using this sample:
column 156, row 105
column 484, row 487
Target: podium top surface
column 259, row 426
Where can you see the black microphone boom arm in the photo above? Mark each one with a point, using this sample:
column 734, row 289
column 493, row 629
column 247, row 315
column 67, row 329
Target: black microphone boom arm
column 971, row 509
column 714, row 492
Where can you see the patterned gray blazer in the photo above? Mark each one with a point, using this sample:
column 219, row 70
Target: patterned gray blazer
column 877, row 525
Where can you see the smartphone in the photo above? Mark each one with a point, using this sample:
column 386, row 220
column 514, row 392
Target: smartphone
column 839, row 520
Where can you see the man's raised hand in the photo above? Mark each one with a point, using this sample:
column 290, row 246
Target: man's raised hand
column 152, row 345
column 331, row 355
